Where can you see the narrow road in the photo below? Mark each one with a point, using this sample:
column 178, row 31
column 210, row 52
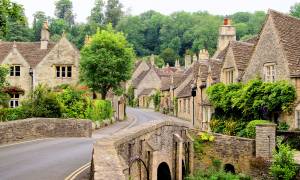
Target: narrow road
column 55, row 159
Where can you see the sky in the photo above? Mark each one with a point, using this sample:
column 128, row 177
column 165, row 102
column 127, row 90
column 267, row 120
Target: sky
column 221, row 7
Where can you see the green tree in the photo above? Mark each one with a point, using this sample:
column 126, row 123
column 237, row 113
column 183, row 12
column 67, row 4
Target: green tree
column 10, row 14
column 113, row 12
column 295, row 10
column 106, row 61
column 169, row 56
column 64, row 10
column 38, row 21
column 3, row 83
column 283, row 166
column 97, row 13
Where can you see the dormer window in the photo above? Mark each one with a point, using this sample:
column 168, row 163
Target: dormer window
column 228, row 75
column 15, row 70
column 63, row 71
column 269, row 72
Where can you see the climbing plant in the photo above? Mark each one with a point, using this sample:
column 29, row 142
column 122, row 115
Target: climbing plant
column 156, row 100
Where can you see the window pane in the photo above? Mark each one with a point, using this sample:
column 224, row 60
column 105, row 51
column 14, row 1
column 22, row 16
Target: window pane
column 17, row 96
column 17, row 70
column 57, row 71
column 63, row 71
column 69, row 71
column 16, row 103
column 12, row 71
column 11, row 104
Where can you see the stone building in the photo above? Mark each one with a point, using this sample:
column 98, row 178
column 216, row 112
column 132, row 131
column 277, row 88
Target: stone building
column 276, row 57
column 44, row 62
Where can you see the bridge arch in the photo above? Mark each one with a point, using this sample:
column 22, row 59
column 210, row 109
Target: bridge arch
column 229, row 168
column 163, row 172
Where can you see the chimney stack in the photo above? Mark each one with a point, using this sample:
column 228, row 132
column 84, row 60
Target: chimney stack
column 187, row 61
column 227, row 33
column 177, row 64
column 203, row 54
column 152, row 60
column 45, row 36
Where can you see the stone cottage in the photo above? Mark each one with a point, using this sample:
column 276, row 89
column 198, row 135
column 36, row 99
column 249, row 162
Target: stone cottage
column 276, row 56
column 44, row 62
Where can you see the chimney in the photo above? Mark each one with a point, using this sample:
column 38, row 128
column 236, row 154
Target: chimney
column 227, row 33
column 45, row 36
column 152, row 60
column 177, row 64
column 195, row 58
column 203, row 54
column 187, row 61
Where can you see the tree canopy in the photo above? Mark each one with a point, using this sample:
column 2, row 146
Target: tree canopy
column 106, row 61
column 3, row 83
column 253, row 100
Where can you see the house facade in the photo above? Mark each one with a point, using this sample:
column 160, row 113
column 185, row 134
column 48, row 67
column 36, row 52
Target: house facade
column 44, row 62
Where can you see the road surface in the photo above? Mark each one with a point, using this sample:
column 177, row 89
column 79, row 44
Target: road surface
column 55, row 159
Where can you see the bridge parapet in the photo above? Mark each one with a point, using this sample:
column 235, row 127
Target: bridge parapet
column 139, row 151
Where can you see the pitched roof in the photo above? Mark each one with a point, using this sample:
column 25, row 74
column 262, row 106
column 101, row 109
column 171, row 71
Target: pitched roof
column 146, row 92
column 138, row 79
column 215, row 69
column 186, row 91
column 31, row 51
column 203, row 69
column 242, row 52
column 165, row 83
column 222, row 54
column 252, row 40
column 288, row 30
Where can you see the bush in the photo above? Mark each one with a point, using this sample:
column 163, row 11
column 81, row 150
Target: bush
column 250, row 130
column 10, row 114
column 100, row 110
column 283, row 126
column 42, row 103
column 74, row 102
column 283, row 166
column 217, row 126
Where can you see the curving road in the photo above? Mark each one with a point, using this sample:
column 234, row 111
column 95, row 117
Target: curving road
column 55, row 159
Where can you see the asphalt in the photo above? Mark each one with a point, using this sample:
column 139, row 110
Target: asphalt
column 55, row 159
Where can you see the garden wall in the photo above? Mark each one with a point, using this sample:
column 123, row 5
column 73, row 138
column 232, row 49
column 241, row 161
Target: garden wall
column 35, row 128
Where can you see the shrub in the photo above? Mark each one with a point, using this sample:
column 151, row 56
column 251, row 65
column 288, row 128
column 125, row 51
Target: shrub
column 251, row 127
column 42, row 103
column 217, row 126
column 156, row 100
column 283, row 166
column 10, row 114
column 283, row 126
column 100, row 110
column 74, row 102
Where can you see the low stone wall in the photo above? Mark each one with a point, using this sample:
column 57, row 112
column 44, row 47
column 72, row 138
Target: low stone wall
column 35, row 128
column 229, row 150
column 152, row 143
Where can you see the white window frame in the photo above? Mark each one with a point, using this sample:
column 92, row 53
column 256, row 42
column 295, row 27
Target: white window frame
column 269, row 72
column 14, row 100
column 64, row 71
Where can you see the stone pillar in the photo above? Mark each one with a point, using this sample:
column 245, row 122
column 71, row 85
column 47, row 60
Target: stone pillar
column 265, row 140
column 191, row 157
column 179, row 156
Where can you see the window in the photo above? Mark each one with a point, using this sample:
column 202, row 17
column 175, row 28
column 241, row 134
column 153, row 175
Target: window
column 63, row 71
column 184, row 106
column 188, row 105
column 15, row 70
column 269, row 72
column 14, row 101
column 229, row 76
column 298, row 119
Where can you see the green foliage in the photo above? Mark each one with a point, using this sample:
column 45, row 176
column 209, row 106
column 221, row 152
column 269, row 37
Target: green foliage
column 74, row 103
column 42, row 103
column 156, row 100
column 295, row 10
column 64, row 10
column 10, row 114
column 251, row 127
column 97, row 13
column 130, row 96
column 175, row 105
column 254, row 100
column 169, row 56
column 283, row 126
column 3, row 96
column 100, row 110
column 217, row 125
column 113, row 12
column 283, row 165
column 106, row 61
column 200, row 140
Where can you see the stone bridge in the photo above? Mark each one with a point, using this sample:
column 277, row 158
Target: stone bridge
column 165, row 151
column 160, row 151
